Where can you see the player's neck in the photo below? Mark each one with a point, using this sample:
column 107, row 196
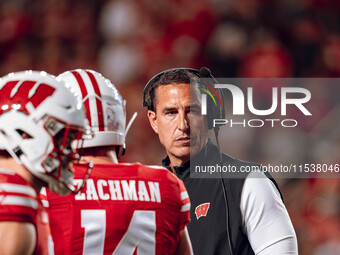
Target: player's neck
column 102, row 156
column 22, row 171
column 102, row 159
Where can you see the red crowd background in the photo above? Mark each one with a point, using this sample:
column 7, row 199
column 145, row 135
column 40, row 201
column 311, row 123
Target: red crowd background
column 130, row 41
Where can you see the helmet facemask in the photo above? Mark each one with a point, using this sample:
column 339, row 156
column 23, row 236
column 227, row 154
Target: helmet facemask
column 58, row 162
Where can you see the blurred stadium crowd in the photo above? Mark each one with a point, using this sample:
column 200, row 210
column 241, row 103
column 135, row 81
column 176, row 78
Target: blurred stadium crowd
column 130, row 41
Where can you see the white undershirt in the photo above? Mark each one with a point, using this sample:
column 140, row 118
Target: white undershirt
column 265, row 218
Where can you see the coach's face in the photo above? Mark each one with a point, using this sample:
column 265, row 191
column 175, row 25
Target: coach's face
column 178, row 122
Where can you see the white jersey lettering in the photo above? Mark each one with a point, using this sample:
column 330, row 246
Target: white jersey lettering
column 91, row 190
column 129, row 190
column 119, row 190
column 116, row 192
column 154, row 191
column 100, row 184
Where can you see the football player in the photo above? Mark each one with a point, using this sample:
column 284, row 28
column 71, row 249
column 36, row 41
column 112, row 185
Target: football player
column 123, row 208
column 39, row 119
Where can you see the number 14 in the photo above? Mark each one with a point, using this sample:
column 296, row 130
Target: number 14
column 141, row 233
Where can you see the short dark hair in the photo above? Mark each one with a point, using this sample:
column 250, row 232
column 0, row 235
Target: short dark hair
column 170, row 77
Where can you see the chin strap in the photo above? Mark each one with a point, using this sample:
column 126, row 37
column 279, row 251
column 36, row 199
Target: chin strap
column 134, row 116
column 71, row 187
column 121, row 149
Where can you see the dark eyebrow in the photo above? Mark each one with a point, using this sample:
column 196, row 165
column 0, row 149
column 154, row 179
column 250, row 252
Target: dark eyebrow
column 168, row 109
column 195, row 106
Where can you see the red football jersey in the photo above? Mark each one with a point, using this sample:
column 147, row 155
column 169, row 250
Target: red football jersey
column 20, row 202
column 123, row 209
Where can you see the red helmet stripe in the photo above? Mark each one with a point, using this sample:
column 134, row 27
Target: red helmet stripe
column 84, row 94
column 21, row 94
column 5, row 93
column 42, row 92
column 98, row 102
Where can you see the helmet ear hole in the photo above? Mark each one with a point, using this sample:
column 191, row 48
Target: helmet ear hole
column 120, row 151
column 24, row 134
column 4, row 154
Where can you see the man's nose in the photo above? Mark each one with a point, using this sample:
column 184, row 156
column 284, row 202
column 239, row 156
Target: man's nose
column 183, row 122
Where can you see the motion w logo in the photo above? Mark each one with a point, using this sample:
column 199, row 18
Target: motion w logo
column 202, row 210
column 17, row 96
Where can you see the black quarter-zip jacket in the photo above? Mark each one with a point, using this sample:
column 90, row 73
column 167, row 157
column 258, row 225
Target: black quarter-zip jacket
column 208, row 226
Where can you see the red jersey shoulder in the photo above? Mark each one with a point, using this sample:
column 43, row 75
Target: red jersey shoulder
column 18, row 199
column 136, row 170
column 121, row 170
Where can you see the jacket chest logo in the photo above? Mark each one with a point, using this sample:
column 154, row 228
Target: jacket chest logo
column 202, row 210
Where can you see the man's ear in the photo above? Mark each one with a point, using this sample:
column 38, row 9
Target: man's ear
column 153, row 120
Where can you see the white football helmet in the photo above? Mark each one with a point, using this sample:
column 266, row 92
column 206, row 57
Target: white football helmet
column 39, row 119
column 104, row 107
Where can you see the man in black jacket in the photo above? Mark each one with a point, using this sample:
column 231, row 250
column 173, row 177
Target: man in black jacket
column 242, row 215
